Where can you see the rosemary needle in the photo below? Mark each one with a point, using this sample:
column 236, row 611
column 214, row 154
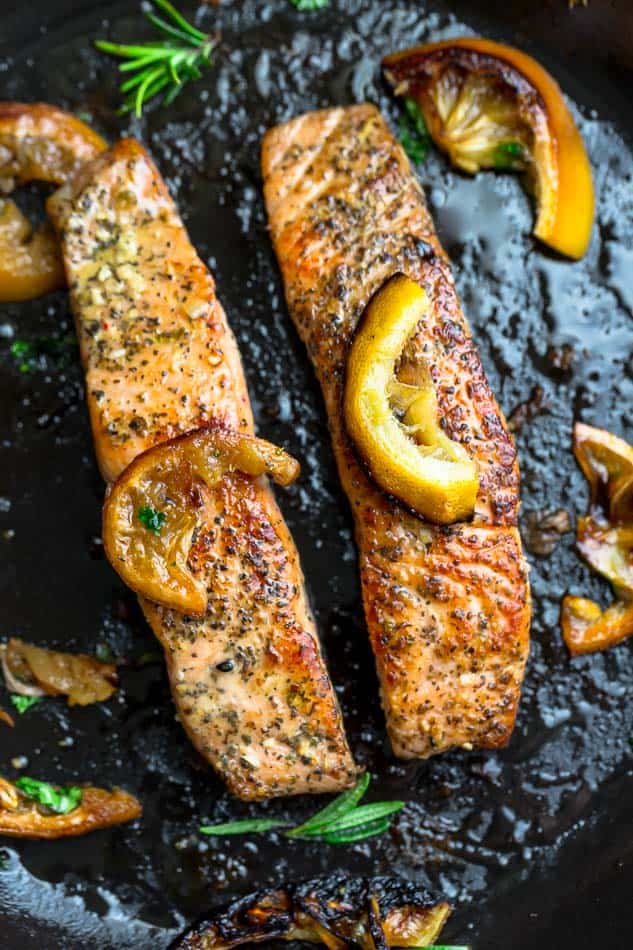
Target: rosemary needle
column 162, row 66
column 242, row 827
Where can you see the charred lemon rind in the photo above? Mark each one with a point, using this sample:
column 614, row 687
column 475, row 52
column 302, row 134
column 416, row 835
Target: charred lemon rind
column 491, row 106
column 409, row 456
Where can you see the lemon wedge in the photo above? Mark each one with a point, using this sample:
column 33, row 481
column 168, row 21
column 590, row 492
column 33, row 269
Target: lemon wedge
column 491, row 106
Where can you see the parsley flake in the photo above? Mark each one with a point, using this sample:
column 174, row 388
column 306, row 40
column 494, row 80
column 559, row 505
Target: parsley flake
column 59, row 800
column 22, row 703
column 103, row 653
column 413, row 133
column 38, row 354
column 152, row 519
column 508, row 155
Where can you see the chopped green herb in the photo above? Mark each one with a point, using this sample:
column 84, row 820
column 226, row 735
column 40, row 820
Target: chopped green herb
column 84, row 116
column 414, row 113
column 59, row 800
column 22, row 352
column 4, row 860
column 413, row 133
column 310, row 4
column 22, row 703
column 151, row 656
column 152, row 519
column 340, row 822
column 508, row 155
column 164, row 65
column 243, row 827
column 103, row 653
column 31, row 355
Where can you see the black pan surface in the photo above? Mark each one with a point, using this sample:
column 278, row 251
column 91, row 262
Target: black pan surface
column 533, row 844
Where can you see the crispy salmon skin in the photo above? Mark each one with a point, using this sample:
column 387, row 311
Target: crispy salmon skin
column 248, row 680
column 448, row 608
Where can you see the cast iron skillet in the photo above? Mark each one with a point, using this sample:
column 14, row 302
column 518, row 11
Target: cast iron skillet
column 532, row 844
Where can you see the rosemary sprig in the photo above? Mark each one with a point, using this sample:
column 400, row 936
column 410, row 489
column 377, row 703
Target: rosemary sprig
column 164, row 65
column 343, row 821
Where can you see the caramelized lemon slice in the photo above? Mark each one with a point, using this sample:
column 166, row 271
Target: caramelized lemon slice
column 607, row 464
column 491, row 106
column 605, row 539
column 30, row 264
column 152, row 510
column 587, row 628
column 605, row 536
column 394, row 421
column 37, row 143
column 609, row 550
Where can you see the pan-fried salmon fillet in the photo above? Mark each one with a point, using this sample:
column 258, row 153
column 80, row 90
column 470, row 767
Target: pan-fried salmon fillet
column 248, row 680
column 447, row 608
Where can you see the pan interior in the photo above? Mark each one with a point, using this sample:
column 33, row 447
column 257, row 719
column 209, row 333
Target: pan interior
column 507, row 836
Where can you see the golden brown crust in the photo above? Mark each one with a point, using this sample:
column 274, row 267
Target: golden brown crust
column 248, row 679
column 447, row 608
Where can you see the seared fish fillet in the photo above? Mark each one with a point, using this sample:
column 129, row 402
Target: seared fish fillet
column 372, row 913
column 248, row 680
column 447, row 608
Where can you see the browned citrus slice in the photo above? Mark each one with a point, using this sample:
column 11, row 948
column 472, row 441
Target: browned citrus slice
column 35, row 814
column 152, row 510
column 607, row 464
column 30, row 263
column 587, row 628
column 605, row 539
column 394, row 422
column 30, row 670
column 609, row 550
column 37, row 143
column 491, row 106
